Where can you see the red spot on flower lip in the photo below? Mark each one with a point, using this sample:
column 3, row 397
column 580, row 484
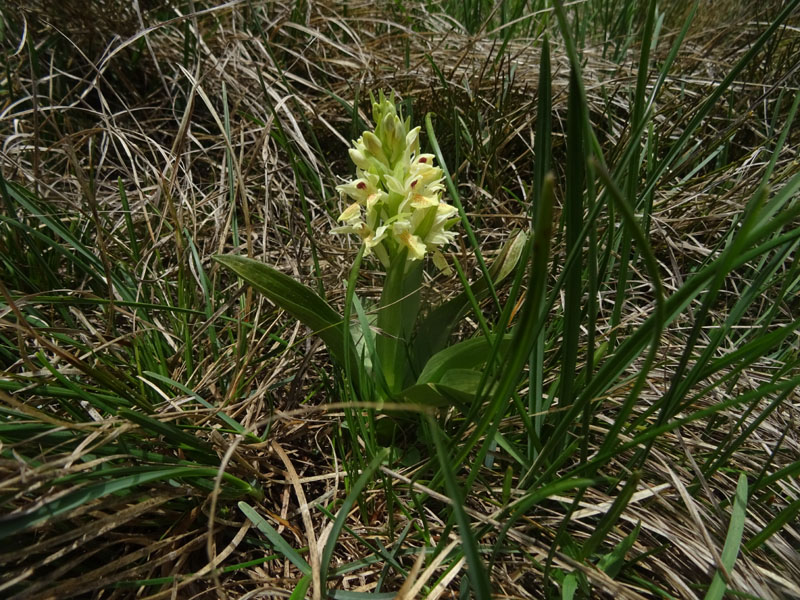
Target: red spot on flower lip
column 361, row 185
column 423, row 160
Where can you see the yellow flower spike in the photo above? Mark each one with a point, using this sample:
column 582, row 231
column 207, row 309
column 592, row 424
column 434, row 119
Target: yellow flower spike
column 400, row 190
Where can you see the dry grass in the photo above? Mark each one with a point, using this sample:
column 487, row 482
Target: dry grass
column 111, row 102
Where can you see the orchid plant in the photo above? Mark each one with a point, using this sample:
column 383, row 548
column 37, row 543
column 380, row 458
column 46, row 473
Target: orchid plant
column 395, row 207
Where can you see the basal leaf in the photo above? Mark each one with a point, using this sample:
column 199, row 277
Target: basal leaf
column 434, row 329
column 295, row 298
column 467, row 354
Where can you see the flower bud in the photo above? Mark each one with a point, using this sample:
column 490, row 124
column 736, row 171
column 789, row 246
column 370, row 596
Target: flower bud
column 374, row 146
column 359, row 159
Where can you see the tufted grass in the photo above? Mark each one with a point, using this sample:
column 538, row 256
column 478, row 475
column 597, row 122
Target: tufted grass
column 165, row 431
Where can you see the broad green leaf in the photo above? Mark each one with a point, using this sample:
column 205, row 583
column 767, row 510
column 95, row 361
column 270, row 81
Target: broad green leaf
column 467, row 354
column 569, row 587
column 297, row 299
column 435, row 328
column 436, row 395
column 465, row 380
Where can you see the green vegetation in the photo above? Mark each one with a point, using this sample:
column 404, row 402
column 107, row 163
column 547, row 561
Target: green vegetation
column 614, row 416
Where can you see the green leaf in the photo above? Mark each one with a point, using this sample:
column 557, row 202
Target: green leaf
column 436, row 395
column 15, row 523
column 281, row 545
column 569, row 587
column 464, row 380
column 297, row 299
column 611, row 564
column 344, row 511
column 732, row 541
column 467, row 354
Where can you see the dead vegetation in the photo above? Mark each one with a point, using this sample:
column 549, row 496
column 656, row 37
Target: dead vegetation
column 224, row 128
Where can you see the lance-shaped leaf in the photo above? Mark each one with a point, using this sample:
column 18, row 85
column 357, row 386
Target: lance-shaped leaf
column 434, row 330
column 467, row 354
column 295, row 298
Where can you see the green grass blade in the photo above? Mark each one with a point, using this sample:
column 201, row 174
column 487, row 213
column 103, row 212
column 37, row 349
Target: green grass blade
column 280, row 544
column 231, row 422
column 542, row 165
column 689, row 131
column 573, row 218
column 14, row 523
column 456, row 198
column 610, row 518
column 344, row 511
column 435, row 328
column 530, row 320
column 516, row 510
column 733, row 540
column 787, row 515
column 481, row 587
column 171, row 433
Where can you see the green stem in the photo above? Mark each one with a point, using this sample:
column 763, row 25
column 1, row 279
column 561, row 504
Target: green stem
column 397, row 313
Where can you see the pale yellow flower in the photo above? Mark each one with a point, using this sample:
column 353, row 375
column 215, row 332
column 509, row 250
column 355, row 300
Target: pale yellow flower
column 396, row 198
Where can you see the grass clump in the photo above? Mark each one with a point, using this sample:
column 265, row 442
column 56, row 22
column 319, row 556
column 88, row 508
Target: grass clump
column 627, row 424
